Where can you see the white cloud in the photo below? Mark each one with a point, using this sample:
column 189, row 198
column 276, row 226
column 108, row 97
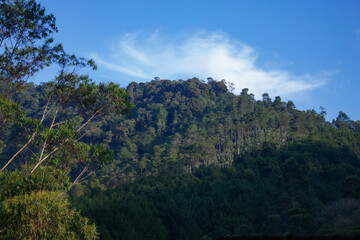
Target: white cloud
column 203, row 54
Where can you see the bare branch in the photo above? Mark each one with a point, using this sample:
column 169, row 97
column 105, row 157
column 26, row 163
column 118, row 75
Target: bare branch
column 89, row 120
column 40, row 161
column 86, row 132
column 59, row 123
column 45, row 112
column 78, row 177
column 52, row 124
column 17, row 153
column 92, row 172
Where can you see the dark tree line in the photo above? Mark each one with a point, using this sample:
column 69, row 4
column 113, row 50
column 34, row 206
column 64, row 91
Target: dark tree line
column 303, row 188
column 194, row 160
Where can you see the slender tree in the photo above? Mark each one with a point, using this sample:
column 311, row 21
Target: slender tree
column 50, row 146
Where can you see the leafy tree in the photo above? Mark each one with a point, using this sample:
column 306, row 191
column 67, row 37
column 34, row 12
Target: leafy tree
column 352, row 183
column 54, row 137
column 50, row 150
column 26, row 42
column 43, row 215
column 301, row 222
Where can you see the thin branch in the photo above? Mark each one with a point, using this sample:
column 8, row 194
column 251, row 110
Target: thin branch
column 78, row 177
column 44, row 112
column 53, row 121
column 86, row 132
column 31, row 138
column 40, row 161
column 82, row 173
column 92, row 172
column 89, row 120
column 17, row 153
column 43, row 149
column 52, row 124
column 43, row 177
column 58, row 123
column 55, row 149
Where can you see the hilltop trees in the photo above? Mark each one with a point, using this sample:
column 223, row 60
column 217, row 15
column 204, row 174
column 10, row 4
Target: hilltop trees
column 257, row 166
column 43, row 154
column 181, row 125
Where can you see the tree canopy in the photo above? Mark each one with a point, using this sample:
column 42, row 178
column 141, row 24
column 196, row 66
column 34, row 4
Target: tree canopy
column 42, row 150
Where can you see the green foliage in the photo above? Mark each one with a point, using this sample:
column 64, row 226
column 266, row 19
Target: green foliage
column 226, row 164
column 66, row 107
column 181, row 125
column 26, row 41
column 295, row 189
column 341, row 217
column 11, row 111
column 42, row 215
column 20, row 182
column 42, row 127
column 352, row 184
column 301, row 222
column 55, row 135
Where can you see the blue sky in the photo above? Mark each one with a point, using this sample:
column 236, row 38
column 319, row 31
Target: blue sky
column 303, row 50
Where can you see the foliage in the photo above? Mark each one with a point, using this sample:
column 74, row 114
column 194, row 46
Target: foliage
column 25, row 40
column 43, row 215
column 191, row 161
column 20, row 182
column 41, row 133
column 177, row 126
column 298, row 189
column 258, row 167
column 65, row 107
column 341, row 217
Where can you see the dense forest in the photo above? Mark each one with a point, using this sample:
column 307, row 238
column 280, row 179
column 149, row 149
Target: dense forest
column 185, row 159
column 194, row 160
column 198, row 161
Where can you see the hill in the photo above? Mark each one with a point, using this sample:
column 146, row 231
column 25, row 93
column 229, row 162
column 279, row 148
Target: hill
column 181, row 125
column 195, row 158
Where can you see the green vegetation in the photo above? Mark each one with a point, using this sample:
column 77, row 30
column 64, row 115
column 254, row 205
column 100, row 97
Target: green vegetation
column 177, row 126
column 43, row 215
column 225, row 170
column 41, row 149
column 190, row 160
column 299, row 189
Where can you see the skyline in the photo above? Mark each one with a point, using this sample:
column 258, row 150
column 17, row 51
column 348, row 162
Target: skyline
column 304, row 51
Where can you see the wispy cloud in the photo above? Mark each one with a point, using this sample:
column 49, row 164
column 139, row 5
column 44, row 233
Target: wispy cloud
column 202, row 54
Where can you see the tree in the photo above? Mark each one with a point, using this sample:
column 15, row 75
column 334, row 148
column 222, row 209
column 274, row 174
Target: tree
column 50, row 145
column 266, row 98
column 301, row 222
column 57, row 132
column 47, row 215
column 26, row 42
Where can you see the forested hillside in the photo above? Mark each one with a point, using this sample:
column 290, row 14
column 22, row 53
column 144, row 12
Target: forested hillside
column 195, row 160
column 181, row 125
column 177, row 126
column 226, row 165
column 163, row 159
